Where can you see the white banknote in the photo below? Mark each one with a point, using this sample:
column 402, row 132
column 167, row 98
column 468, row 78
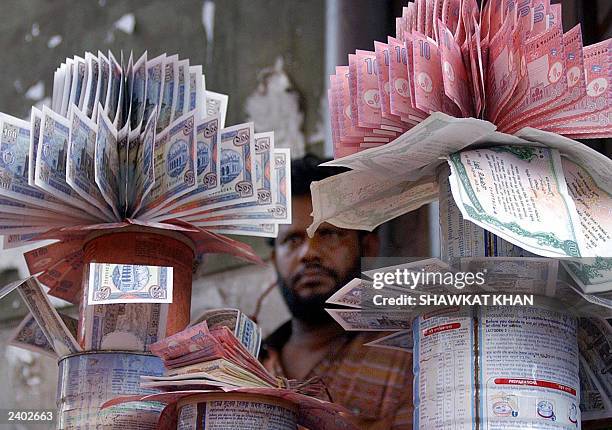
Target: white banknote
column 49, row 321
column 125, row 283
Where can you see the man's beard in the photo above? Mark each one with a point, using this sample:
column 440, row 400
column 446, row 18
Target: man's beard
column 311, row 309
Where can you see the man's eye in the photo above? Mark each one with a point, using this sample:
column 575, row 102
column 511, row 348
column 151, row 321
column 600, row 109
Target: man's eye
column 292, row 239
column 330, row 233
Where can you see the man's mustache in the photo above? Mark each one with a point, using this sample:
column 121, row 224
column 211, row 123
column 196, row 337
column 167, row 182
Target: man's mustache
column 316, row 266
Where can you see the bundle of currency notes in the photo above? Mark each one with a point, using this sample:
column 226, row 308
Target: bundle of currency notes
column 200, row 356
column 510, row 63
column 137, row 139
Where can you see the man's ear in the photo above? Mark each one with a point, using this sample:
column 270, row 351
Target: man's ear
column 370, row 245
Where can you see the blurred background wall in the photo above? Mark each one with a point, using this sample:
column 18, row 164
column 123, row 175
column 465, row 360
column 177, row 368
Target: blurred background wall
column 271, row 56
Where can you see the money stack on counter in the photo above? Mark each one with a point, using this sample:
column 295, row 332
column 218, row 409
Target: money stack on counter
column 214, row 380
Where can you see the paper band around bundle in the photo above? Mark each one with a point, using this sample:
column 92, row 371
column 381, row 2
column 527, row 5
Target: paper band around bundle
column 86, row 380
column 140, row 246
column 236, row 411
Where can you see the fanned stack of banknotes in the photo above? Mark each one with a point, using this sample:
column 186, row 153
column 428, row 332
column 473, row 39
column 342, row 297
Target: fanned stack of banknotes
column 210, row 357
column 509, row 63
column 137, row 139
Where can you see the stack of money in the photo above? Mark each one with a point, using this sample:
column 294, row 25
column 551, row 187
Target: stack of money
column 510, row 63
column 213, row 380
column 203, row 357
column 137, row 139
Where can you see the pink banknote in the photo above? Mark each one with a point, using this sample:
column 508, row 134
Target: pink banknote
column 428, row 85
column 191, row 339
column 384, row 88
column 502, row 76
column 546, row 75
column 454, row 75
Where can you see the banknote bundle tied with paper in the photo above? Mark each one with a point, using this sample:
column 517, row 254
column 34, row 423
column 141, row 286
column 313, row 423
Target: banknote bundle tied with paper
column 218, row 353
column 128, row 138
column 510, row 63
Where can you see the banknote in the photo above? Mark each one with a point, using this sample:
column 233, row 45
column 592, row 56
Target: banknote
column 246, row 330
column 197, row 92
column 250, row 229
column 104, row 83
column 126, row 102
column 58, row 87
column 155, row 84
column 477, row 172
column 546, row 84
column 30, row 336
column 353, row 200
column 93, row 77
column 401, row 341
column 49, row 321
column 35, row 123
column 216, row 105
column 79, row 82
column 265, row 177
column 14, row 168
column 181, row 343
column 371, row 320
column 139, row 86
column 427, row 75
column 63, row 110
column 592, row 275
column 350, row 295
column 169, row 96
column 383, row 59
column 115, row 90
column 144, row 168
column 106, row 160
column 592, row 112
column 208, row 136
column 125, row 283
column 502, row 77
column 175, row 161
column 124, row 326
column 80, row 170
column 262, row 211
column 41, row 258
column 182, row 90
column 51, row 161
column 368, row 97
column 237, row 169
column 400, row 97
column 454, row 75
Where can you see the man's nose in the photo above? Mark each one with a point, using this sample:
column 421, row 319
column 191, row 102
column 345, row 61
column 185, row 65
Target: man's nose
column 311, row 249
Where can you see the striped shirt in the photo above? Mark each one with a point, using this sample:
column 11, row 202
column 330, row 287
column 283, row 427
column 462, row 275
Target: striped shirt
column 373, row 383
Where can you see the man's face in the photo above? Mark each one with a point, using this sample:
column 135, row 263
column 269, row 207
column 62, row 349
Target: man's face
column 310, row 270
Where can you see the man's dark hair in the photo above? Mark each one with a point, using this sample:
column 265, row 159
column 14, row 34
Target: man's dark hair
column 306, row 170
